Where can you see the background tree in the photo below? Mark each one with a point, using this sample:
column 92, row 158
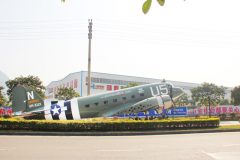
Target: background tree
column 235, row 95
column 224, row 102
column 183, row 100
column 147, row 4
column 3, row 100
column 32, row 81
column 66, row 93
column 208, row 94
column 131, row 84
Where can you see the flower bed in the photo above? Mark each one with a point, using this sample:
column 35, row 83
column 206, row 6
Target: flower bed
column 107, row 125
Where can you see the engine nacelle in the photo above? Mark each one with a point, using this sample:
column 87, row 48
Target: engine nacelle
column 157, row 102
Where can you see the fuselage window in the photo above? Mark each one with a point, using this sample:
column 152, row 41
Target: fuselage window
column 87, row 105
column 114, row 100
column 141, row 94
column 133, row 96
column 124, row 98
column 96, row 103
column 105, row 102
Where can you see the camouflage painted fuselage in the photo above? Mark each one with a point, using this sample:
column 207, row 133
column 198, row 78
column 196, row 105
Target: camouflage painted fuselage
column 129, row 100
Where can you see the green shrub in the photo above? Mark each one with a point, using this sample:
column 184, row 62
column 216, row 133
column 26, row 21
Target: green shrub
column 107, row 125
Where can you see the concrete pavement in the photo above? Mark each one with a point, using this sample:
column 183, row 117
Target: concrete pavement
column 206, row 146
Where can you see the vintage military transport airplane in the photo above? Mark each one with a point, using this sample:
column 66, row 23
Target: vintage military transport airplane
column 26, row 102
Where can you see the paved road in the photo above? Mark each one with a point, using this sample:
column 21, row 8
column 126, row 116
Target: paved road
column 227, row 123
column 205, row 146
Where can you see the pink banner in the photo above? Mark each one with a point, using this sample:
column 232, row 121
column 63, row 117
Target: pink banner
column 214, row 110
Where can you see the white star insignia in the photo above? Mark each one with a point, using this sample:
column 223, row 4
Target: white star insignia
column 55, row 110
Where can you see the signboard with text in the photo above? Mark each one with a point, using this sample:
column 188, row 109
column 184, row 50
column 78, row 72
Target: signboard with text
column 5, row 111
column 178, row 111
column 225, row 109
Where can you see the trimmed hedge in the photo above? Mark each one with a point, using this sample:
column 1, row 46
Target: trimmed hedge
column 127, row 125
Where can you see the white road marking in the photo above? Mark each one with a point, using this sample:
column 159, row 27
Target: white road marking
column 231, row 145
column 119, row 150
column 3, row 149
column 223, row 155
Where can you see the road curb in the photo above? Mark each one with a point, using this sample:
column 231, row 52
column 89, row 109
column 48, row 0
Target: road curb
column 124, row 133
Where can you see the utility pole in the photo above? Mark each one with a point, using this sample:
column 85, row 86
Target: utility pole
column 89, row 55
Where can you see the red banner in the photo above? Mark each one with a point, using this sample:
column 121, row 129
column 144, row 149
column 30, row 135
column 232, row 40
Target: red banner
column 5, row 111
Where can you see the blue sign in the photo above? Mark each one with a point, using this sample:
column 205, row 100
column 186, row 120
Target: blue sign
column 179, row 111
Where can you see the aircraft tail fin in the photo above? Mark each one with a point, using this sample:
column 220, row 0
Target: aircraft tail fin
column 25, row 99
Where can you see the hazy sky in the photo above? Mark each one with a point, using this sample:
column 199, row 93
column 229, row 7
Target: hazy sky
column 192, row 41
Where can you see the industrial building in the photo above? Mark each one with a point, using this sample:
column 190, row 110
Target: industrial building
column 103, row 82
